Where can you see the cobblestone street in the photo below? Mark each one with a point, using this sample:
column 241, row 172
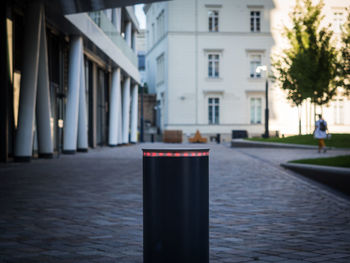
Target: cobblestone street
column 88, row 208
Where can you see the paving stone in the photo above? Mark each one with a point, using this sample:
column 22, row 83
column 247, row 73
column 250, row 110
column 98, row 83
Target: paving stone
column 88, row 208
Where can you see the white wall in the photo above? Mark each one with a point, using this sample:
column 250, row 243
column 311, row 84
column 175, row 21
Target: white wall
column 156, row 46
column 181, row 85
column 186, row 46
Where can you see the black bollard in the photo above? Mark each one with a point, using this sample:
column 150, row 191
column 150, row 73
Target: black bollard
column 175, row 205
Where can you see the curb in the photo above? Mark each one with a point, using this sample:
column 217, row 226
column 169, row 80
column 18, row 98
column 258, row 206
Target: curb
column 336, row 177
column 254, row 144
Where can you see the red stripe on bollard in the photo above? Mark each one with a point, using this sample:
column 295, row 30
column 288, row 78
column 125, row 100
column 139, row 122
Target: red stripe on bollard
column 175, row 154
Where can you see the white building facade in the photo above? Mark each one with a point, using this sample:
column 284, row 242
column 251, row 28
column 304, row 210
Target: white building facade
column 201, row 61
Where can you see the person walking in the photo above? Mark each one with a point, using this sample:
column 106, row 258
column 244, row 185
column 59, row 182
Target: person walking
column 320, row 133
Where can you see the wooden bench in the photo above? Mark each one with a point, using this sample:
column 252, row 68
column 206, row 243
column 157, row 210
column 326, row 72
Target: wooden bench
column 172, row 136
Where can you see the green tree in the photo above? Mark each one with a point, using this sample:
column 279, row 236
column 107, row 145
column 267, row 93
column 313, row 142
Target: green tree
column 309, row 67
column 345, row 54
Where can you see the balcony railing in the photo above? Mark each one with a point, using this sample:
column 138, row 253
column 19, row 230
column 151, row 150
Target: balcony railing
column 111, row 31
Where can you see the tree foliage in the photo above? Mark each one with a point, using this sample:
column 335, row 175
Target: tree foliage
column 309, row 67
column 345, row 54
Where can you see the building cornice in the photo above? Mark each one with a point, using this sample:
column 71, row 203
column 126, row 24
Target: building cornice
column 249, row 92
column 213, row 6
column 255, row 6
column 223, row 33
column 213, row 91
column 210, row 125
column 97, row 36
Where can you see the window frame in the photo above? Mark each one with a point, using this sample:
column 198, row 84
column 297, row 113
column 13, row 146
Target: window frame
column 213, row 110
column 160, row 67
column 213, row 64
column 141, row 58
column 338, row 20
column 255, row 20
column 339, row 105
column 213, row 16
column 153, row 33
column 160, row 26
column 254, row 74
column 253, row 110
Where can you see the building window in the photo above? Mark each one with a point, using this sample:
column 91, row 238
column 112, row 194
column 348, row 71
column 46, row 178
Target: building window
column 153, row 34
column 213, row 21
column 213, row 65
column 254, row 21
column 141, row 60
column 255, row 61
column 160, row 25
column 213, row 110
column 338, row 21
column 160, row 69
column 255, row 110
column 338, row 111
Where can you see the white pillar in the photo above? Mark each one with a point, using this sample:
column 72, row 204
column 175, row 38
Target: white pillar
column 29, row 78
column 117, row 12
column 43, row 108
column 82, row 117
column 134, row 41
column 126, row 109
column 120, row 118
column 114, row 108
column 128, row 33
column 71, row 118
column 134, row 113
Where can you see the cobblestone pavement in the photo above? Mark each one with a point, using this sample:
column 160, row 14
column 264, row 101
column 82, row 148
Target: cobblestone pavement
column 88, row 208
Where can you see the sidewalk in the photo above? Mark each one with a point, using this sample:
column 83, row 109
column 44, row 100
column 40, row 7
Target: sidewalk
column 262, row 144
column 88, row 208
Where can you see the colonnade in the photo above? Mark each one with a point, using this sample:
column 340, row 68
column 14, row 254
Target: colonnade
column 34, row 104
column 121, row 129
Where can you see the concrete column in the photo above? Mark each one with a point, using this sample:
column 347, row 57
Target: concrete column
column 43, row 107
column 71, row 118
column 82, row 116
column 29, row 81
column 120, row 118
column 134, row 111
column 93, row 108
column 134, row 41
column 117, row 12
column 114, row 108
column 126, row 109
column 5, row 90
column 128, row 33
column 114, row 17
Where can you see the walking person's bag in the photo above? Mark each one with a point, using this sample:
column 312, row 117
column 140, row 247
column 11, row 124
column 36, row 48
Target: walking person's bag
column 322, row 126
